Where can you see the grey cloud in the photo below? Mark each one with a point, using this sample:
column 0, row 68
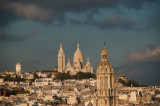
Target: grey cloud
column 154, row 21
column 8, row 37
column 81, row 5
column 116, row 22
column 149, row 53
column 7, row 17
column 50, row 10
column 112, row 21
column 143, row 65
column 29, row 11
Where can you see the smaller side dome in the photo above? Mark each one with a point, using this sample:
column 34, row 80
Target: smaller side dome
column 68, row 63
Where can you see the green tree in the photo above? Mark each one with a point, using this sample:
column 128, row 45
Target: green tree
column 8, row 78
column 122, row 81
column 36, row 76
column 79, row 75
column 19, row 79
column 133, row 83
column 49, row 75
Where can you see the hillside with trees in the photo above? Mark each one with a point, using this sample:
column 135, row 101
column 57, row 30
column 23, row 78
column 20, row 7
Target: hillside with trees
column 79, row 75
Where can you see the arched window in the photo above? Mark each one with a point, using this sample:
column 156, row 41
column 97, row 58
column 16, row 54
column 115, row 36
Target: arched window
column 101, row 83
column 106, row 83
column 110, row 82
column 104, row 56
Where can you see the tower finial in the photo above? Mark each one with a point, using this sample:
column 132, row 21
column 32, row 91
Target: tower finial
column 88, row 59
column 104, row 43
column 78, row 46
column 61, row 45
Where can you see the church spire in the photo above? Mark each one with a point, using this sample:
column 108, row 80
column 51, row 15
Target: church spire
column 104, row 53
column 61, row 60
column 68, row 63
column 61, row 45
column 78, row 46
column 104, row 44
column 88, row 59
column 61, row 49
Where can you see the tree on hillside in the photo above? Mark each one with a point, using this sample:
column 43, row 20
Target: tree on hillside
column 36, row 76
column 79, row 75
column 8, row 78
column 49, row 75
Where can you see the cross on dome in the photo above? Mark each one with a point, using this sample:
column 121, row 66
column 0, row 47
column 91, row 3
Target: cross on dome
column 88, row 59
column 61, row 45
column 78, row 46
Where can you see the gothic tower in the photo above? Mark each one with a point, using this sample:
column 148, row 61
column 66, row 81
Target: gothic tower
column 106, row 92
column 61, row 60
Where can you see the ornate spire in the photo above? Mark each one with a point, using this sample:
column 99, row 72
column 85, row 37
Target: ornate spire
column 61, row 45
column 61, row 49
column 88, row 59
column 104, row 44
column 78, row 46
column 68, row 60
column 68, row 63
column 88, row 63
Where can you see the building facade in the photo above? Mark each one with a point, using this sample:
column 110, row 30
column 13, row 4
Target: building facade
column 61, row 60
column 106, row 94
column 78, row 62
column 18, row 68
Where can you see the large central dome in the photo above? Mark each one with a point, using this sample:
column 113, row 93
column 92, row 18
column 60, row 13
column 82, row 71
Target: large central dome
column 78, row 57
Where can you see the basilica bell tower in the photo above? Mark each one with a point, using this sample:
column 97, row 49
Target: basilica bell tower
column 106, row 94
column 61, row 60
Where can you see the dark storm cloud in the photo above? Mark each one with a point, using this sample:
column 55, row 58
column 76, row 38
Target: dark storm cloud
column 115, row 22
column 143, row 65
column 145, row 72
column 154, row 21
column 8, row 37
column 79, row 5
column 47, row 10
column 112, row 21
column 7, row 17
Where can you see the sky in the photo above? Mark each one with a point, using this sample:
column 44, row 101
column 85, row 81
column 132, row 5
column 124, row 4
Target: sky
column 31, row 32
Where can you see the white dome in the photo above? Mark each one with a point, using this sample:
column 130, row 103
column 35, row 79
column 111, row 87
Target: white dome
column 18, row 63
column 78, row 54
column 78, row 58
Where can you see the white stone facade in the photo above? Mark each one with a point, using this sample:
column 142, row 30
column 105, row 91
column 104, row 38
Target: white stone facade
column 18, row 68
column 61, row 60
column 78, row 63
column 106, row 94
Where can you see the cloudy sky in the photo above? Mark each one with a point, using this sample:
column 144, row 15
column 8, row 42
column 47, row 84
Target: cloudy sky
column 31, row 32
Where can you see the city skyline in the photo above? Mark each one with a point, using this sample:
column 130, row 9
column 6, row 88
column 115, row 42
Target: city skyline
column 31, row 33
